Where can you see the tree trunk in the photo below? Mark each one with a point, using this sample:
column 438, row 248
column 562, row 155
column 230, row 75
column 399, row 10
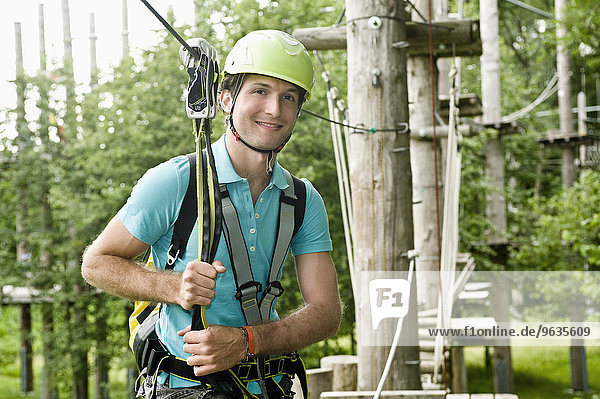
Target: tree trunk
column 496, row 202
column 381, row 179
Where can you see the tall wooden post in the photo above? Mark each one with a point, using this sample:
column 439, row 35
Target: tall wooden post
column 68, row 49
column 380, row 172
column 93, row 59
column 496, row 203
column 579, row 378
column 48, row 383
column 426, row 208
column 581, row 125
column 42, row 37
column 125, row 29
column 131, row 371
column 101, row 359
column 23, row 254
column 565, row 104
column 75, row 310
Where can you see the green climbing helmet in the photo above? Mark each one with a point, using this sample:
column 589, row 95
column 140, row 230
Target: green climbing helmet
column 272, row 53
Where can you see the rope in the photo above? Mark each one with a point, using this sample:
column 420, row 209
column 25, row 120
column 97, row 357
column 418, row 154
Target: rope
column 549, row 90
column 449, row 248
column 388, row 364
column 171, row 30
column 342, row 175
column 435, row 159
column 402, row 127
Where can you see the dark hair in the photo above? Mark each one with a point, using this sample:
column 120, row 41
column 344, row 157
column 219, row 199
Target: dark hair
column 230, row 82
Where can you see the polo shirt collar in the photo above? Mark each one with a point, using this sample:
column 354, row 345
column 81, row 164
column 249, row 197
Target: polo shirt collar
column 227, row 173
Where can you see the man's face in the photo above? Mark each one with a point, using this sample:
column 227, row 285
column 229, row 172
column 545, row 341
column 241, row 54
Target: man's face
column 265, row 111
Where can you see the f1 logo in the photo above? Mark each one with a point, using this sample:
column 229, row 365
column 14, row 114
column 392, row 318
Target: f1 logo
column 389, row 298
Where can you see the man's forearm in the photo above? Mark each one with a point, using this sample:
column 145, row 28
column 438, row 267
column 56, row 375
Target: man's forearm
column 129, row 279
column 308, row 325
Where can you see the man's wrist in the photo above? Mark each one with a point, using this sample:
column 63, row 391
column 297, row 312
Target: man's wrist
column 249, row 339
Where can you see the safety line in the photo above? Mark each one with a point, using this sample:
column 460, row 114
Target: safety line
column 172, row 31
column 397, row 334
column 401, row 130
column 435, row 159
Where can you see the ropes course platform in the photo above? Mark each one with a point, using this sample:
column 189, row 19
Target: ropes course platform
column 553, row 137
column 11, row 295
column 469, row 105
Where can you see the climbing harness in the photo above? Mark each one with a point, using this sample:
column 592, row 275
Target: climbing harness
column 210, row 203
column 152, row 356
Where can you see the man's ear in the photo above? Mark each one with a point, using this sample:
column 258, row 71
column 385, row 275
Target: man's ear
column 225, row 100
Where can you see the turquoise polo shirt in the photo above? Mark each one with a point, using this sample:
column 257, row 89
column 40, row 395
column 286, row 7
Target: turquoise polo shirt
column 153, row 207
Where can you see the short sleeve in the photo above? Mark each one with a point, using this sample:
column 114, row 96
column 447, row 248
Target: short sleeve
column 313, row 235
column 155, row 200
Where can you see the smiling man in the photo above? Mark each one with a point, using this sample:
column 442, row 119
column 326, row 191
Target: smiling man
column 267, row 77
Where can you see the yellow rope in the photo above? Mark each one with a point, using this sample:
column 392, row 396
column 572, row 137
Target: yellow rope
column 199, row 186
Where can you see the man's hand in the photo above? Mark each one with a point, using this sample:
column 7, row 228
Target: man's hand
column 198, row 283
column 216, row 348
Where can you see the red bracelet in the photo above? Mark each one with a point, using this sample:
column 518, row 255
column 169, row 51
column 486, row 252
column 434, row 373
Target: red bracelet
column 250, row 341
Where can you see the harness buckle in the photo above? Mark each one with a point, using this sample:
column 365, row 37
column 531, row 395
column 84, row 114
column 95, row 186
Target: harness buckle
column 274, row 288
column 247, row 289
column 171, row 258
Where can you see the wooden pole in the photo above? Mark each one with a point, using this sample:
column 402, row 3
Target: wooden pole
column 579, row 378
column 131, row 371
column 125, row 29
column 381, row 178
column 496, row 202
column 23, row 253
column 42, row 37
column 48, row 384
column 19, row 60
column 101, row 360
column 565, row 104
column 68, row 49
column 563, row 62
column 597, row 79
column 581, row 125
column 93, row 59
column 26, row 349
column 76, row 310
column 425, row 208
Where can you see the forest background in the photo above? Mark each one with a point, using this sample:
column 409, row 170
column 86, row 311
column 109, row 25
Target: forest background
column 75, row 160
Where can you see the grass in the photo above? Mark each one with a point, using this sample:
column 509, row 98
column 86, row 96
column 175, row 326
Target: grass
column 10, row 383
column 539, row 372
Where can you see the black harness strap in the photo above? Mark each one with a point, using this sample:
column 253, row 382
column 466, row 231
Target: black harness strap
column 186, row 219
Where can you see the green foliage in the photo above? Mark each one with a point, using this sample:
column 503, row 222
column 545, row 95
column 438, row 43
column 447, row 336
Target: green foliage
column 73, row 165
column 9, row 341
column 567, row 226
column 582, row 19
